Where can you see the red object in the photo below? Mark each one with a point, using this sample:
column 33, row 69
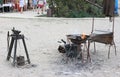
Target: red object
column 17, row 7
column 40, row 5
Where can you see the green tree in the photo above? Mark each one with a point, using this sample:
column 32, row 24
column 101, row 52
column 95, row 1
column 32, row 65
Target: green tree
column 1, row 1
column 74, row 8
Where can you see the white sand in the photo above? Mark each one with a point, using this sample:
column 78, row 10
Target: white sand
column 41, row 38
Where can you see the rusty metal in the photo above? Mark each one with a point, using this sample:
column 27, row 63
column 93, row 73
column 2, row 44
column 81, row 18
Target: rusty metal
column 76, row 38
column 14, row 38
column 75, row 47
column 80, row 42
column 104, row 37
column 20, row 60
column 70, row 50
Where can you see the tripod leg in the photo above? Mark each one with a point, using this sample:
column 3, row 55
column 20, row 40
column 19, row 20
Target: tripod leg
column 10, row 49
column 8, row 38
column 14, row 58
column 26, row 50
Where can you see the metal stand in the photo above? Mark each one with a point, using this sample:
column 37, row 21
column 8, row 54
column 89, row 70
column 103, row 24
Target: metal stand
column 105, row 38
column 14, row 38
column 82, row 48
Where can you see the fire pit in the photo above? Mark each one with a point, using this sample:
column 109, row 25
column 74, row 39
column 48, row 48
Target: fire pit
column 77, row 38
column 80, row 41
column 76, row 47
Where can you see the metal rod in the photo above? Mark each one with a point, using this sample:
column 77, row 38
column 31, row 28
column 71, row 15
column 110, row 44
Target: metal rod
column 113, row 25
column 95, row 4
column 94, row 47
column 93, row 24
column 15, row 49
column 10, row 49
column 8, row 39
column 109, row 52
column 26, row 50
column 88, row 51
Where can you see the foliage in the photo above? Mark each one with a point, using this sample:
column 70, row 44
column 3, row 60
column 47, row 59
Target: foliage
column 74, row 8
column 1, row 1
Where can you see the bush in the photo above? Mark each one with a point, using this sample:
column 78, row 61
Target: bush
column 74, row 8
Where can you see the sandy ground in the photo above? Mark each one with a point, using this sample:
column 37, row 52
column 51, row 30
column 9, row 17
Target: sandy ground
column 41, row 38
column 42, row 34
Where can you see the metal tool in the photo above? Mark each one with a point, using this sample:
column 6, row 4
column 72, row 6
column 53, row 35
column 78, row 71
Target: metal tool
column 14, row 39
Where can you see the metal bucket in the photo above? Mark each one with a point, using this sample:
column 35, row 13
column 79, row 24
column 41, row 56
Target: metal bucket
column 20, row 61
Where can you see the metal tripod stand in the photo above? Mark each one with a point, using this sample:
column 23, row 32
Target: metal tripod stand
column 14, row 38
